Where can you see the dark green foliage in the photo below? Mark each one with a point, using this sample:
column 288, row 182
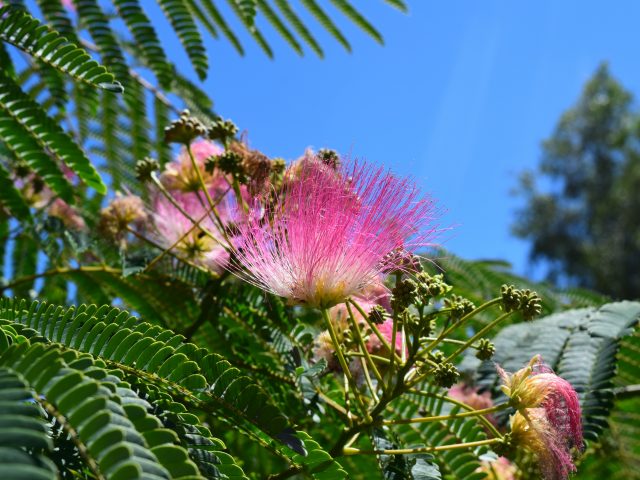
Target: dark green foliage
column 401, row 467
column 132, row 13
column 584, row 226
column 47, row 133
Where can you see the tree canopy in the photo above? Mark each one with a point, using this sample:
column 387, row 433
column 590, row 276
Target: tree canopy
column 581, row 204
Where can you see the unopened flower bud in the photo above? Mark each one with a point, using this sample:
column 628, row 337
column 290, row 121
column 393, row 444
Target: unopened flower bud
column 329, row 157
column 446, row 375
column 459, row 306
column 222, row 130
column 378, row 314
column 530, row 304
column 145, row 167
column 403, row 294
column 431, row 285
column 486, row 349
column 184, row 130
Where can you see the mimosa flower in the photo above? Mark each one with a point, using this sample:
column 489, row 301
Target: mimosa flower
column 180, row 174
column 203, row 244
column 499, row 469
column 330, row 232
column 537, row 386
column 69, row 215
column 469, row 396
column 121, row 213
column 535, row 433
column 375, row 345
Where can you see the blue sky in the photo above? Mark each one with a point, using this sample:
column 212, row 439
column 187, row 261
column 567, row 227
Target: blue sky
column 460, row 97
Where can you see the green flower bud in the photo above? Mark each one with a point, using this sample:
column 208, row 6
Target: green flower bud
column 486, row 349
column 446, row 375
column 145, row 167
column 403, row 294
column 459, row 306
column 184, row 130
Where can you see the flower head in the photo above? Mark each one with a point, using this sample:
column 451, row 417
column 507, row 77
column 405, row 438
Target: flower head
column 69, row 215
column 536, row 433
column 537, row 386
column 498, row 469
column 203, row 244
column 120, row 213
column 330, row 232
column 180, row 174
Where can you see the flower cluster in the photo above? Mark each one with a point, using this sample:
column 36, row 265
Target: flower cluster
column 184, row 221
column 548, row 417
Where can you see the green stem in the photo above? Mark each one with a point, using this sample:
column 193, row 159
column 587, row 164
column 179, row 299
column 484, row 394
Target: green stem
column 59, row 271
column 363, row 348
column 212, row 204
column 490, row 426
column 478, row 335
column 342, row 361
column 408, row 451
column 375, row 330
column 455, row 325
column 452, row 416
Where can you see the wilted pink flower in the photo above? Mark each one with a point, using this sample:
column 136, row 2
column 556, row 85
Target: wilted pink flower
column 69, row 215
column 534, row 432
column 537, row 386
column 469, row 395
column 499, row 469
column 330, row 231
column 120, row 214
column 180, row 174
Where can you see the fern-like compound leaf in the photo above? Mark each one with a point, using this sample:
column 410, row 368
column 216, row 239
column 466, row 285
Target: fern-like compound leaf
column 46, row 132
column 25, row 32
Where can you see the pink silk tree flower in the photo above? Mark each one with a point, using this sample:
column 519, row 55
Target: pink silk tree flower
column 180, row 174
column 69, row 215
column 328, row 233
column 498, row 469
column 375, row 345
column 469, row 395
column 204, row 244
column 537, row 386
column 534, row 432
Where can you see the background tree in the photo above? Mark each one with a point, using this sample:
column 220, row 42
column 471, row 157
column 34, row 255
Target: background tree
column 581, row 204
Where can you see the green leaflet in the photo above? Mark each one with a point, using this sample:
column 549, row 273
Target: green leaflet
column 135, row 346
column 46, row 132
column 25, row 32
column 177, row 12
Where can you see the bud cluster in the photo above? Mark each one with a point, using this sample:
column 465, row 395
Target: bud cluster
column 459, row 306
column 525, row 301
column 223, row 131
column 185, row 129
column 145, row 167
column 404, row 294
column 486, row 349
